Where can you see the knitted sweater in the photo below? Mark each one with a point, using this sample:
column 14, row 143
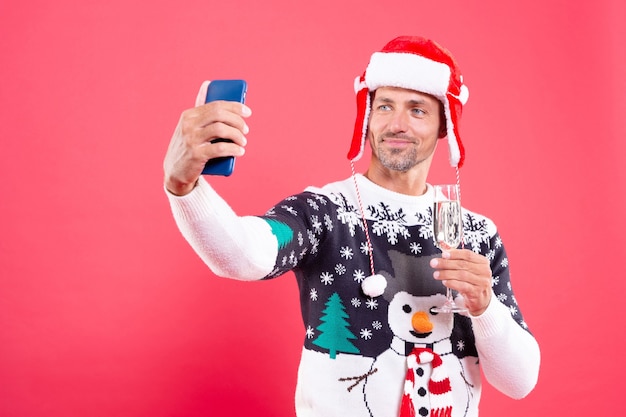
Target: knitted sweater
column 355, row 350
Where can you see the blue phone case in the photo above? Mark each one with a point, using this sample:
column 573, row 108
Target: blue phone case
column 229, row 90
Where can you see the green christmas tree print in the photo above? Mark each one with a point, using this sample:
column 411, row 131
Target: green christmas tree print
column 334, row 332
column 282, row 231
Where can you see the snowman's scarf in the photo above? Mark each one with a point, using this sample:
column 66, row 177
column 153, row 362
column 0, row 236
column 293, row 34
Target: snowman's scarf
column 438, row 385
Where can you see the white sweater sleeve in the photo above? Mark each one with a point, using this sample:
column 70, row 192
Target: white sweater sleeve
column 242, row 248
column 509, row 355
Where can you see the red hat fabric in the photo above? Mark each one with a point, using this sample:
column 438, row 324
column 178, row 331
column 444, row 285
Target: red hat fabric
column 419, row 64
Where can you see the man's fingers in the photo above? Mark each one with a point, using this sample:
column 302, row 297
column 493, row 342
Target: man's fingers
column 201, row 97
column 220, row 133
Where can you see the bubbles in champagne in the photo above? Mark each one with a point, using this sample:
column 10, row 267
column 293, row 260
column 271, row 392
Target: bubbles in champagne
column 447, row 224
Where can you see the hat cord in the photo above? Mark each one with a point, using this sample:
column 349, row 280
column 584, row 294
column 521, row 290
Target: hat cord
column 370, row 249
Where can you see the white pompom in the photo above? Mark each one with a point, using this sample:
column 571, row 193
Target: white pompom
column 374, row 285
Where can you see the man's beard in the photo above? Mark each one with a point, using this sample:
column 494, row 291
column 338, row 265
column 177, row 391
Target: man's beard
column 397, row 159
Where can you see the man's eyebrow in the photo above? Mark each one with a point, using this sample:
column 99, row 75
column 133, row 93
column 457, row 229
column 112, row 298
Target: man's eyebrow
column 418, row 101
column 413, row 102
column 383, row 99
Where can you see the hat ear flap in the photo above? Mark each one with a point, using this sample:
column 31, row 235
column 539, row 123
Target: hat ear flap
column 362, row 115
column 457, row 151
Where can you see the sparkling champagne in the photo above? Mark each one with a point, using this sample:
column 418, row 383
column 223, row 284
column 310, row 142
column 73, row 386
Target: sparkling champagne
column 447, row 224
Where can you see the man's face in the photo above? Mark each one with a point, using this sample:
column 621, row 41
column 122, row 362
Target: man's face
column 404, row 126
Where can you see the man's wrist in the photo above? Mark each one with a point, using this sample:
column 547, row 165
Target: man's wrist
column 178, row 188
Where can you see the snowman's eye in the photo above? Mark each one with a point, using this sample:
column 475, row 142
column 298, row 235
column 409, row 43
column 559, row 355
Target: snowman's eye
column 406, row 308
column 433, row 311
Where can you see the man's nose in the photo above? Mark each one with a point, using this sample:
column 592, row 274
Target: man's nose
column 399, row 122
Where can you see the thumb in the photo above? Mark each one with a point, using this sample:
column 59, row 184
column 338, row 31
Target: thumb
column 201, row 98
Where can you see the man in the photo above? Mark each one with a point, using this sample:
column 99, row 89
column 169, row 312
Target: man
column 362, row 252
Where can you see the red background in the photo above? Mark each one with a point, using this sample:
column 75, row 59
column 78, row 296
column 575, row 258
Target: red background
column 105, row 310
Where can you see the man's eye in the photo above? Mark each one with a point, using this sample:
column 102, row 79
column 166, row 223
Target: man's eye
column 419, row 112
column 384, row 107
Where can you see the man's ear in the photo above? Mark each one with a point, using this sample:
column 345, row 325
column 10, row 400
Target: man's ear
column 443, row 131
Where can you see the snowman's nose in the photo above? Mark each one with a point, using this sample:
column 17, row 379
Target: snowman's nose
column 421, row 323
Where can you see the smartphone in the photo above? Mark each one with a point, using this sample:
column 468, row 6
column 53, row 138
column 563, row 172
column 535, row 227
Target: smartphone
column 229, row 90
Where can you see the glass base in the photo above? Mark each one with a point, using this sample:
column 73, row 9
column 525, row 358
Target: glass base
column 449, row 307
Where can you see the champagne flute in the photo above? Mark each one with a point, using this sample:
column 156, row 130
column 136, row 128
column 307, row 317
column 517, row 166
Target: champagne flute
column 448, row 231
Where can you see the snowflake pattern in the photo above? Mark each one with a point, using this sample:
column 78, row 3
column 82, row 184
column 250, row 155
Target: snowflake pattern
column 310, row 333
column 320, row 198
column 328, row 222
column 313, row 204
column 316, row 225
column 425, row 224
column 415, row 248
column 314, row 242
column 366, row 334
column 290, row 209
column 359, row 276
column 293, row 260
column 346, row 252
column 475, row 232
column 326, row 278
column 389, row 223
column 365, row 249
column 339, row 226
column 347, row 214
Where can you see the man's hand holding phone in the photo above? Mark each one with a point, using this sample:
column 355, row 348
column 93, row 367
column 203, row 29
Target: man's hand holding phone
column 213, row 130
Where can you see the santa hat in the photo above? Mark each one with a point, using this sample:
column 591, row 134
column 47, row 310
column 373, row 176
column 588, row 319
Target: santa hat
column 419, row 64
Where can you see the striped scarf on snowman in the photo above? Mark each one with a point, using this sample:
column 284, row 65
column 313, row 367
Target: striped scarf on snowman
column 438, row 386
